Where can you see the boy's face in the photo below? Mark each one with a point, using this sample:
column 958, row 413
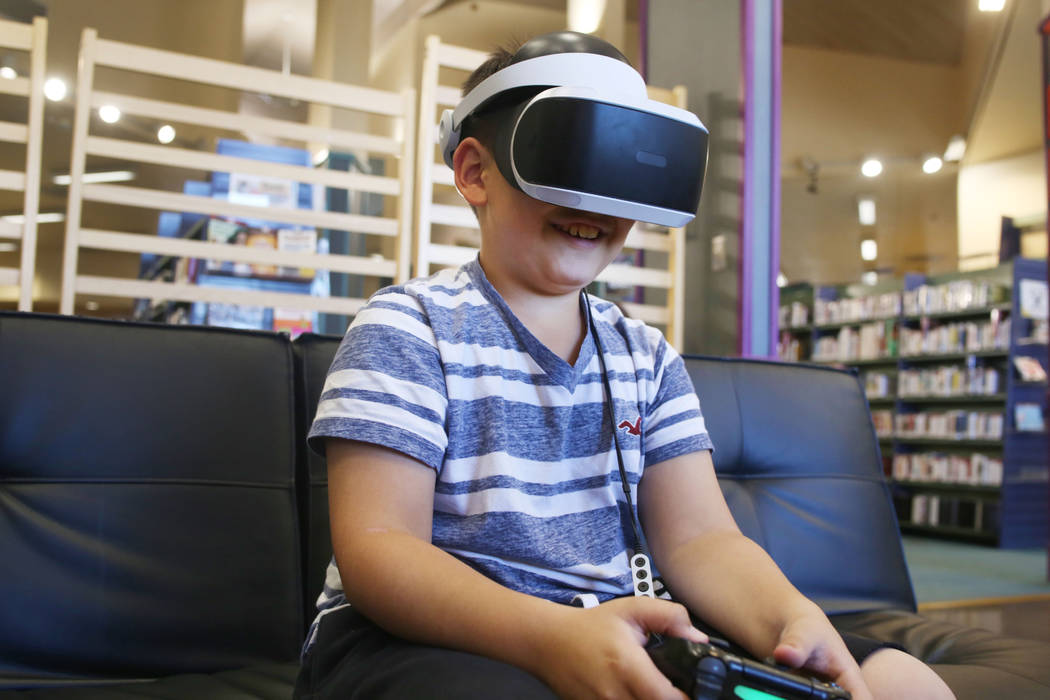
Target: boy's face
column 533, row 245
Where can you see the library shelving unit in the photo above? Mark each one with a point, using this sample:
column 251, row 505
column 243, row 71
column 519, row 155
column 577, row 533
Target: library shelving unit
column 795, row 322
column 961, row 427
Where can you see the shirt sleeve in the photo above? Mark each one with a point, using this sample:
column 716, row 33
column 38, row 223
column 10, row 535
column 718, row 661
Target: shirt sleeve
column 675, row 424
column 385, row 385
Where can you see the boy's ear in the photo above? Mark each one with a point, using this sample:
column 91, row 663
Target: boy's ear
column 469, row 163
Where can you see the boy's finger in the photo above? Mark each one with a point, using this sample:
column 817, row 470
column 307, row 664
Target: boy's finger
column 794, row 649
column 672, row 619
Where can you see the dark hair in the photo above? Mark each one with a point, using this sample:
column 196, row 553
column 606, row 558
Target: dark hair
column 499, row 59
column 482, row 124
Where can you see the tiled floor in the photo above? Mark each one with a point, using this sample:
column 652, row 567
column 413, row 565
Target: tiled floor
column 1029, row 619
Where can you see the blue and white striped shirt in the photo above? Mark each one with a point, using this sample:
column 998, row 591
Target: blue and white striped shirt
column 528, row 489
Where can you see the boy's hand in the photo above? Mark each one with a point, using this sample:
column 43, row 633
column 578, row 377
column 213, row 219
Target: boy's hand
column 599, row 652
column 810, row 642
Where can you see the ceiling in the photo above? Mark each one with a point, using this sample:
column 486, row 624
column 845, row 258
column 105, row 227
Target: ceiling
column 930, row 31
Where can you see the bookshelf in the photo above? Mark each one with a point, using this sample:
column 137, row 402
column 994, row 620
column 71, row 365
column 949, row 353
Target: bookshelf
column 961, row 430
column 795, row 322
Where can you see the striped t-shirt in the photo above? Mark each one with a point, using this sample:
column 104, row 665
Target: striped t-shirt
column 527, row 484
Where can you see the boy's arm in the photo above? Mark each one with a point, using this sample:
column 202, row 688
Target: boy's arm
column 729, row 581
column 381, row 505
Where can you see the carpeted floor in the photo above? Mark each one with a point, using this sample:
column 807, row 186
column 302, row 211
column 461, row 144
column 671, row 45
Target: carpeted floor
column 943, row 571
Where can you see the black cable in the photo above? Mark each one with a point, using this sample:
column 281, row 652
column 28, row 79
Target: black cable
column 635, row 525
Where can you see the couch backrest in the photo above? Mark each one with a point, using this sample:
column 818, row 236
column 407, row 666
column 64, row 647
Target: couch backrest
column 313, row 356
column 798, row 461
column 148, row 522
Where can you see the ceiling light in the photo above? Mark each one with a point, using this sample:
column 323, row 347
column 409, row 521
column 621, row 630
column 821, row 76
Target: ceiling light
column 109, row 114
column 872, row 167
column 866, row 211
column 8, row 72
column 585, row 15
column 869, row 249
column 321, row 156
column 932, row 164
column 55, row 89
column 870, row 277
column 166, row 133
column 6, row 247
column 42, row 218
column 782, row 280
column 991, row 5
column 98, row 177
column 955, row 150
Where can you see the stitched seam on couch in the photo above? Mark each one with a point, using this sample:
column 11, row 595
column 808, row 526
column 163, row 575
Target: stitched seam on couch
column 149, row 482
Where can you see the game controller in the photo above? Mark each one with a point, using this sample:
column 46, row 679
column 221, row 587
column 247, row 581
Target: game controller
column 709, row 672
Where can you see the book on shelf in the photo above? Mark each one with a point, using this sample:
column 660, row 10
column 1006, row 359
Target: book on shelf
column 228, row 232
column 297, row 240
column 949, row 380
column 1030, row 369
column 262, row 238
column 1028, row 417
column 958, row 295
column 236, row 316
column 294, row 322
column 975, row 469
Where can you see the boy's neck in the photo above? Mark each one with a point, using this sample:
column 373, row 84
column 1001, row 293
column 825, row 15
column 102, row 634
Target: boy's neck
column 556, row 321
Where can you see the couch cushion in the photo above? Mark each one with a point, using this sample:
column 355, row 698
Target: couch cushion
column 798, row 461
column 147, row 499
column 975, row 663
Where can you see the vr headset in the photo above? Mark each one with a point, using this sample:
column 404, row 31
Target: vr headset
column 575, row 128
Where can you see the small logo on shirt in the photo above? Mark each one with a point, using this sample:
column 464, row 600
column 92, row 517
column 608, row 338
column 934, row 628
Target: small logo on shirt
column 631, row 428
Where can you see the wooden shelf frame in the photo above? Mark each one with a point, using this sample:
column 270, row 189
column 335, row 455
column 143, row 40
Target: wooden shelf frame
column 320, row 94
column 31, row 38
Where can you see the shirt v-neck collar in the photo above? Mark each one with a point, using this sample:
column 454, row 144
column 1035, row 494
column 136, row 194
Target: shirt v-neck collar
column 559, row 371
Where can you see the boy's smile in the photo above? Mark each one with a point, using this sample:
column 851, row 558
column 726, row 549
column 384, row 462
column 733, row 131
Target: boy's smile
column 550, row 249
column 530, row 246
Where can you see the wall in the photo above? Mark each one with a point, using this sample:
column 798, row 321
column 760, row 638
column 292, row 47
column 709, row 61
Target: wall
column 839, row 107
column 697, row 44
column 988, row 191
column 1004, row 172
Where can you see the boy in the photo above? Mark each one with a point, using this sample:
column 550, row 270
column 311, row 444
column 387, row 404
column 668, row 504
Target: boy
column 474, row 481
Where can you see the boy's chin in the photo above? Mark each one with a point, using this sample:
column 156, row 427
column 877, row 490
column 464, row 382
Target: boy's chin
column 570, row 276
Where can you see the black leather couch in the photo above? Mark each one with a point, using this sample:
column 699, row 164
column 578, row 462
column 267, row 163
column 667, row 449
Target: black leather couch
column 163, row 528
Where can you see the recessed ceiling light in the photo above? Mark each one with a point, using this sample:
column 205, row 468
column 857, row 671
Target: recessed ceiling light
column 869, row 249
column 6, row 247
column 991, row 5
column 866, row 211
column 55, row 89
column 872, row 167
column 932, row 164
column 166, row 133
column 109, row 114
column 870, row 277
column 8, row 73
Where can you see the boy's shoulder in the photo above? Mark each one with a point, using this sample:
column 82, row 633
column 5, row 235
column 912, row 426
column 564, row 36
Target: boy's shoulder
column 447, row 287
